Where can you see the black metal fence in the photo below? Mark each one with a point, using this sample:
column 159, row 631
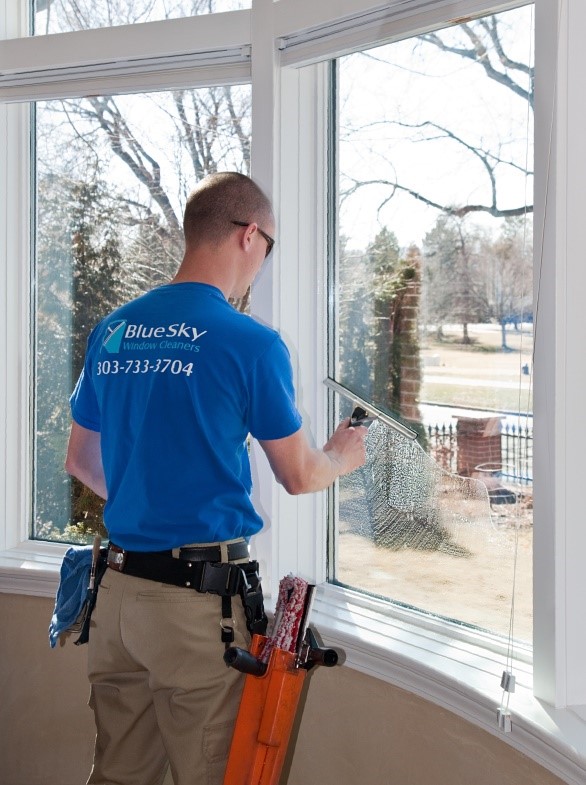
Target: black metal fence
column 516, row 450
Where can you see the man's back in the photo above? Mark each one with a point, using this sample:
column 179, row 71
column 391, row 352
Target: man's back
column 178, row 381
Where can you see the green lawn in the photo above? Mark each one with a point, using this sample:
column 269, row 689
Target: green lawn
column 480, row 397
column 496, row 380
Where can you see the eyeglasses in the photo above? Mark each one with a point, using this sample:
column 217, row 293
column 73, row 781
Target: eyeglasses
column 269, row 240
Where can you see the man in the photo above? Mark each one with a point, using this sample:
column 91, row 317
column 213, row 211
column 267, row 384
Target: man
column 173, row 384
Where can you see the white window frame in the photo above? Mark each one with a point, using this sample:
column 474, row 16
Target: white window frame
column 458, row 671
column 197, row 52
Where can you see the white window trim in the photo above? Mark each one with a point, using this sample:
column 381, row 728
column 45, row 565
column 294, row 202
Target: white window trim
column 380, row 640
column 377, row 639
column 29, row 566
column 331, row 28
column 137, row 57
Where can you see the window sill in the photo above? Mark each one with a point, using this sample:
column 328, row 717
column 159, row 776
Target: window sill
column 31, row 568
column 456, row 669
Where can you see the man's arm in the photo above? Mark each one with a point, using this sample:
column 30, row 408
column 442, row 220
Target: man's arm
column 301, row 468
column 84, row 459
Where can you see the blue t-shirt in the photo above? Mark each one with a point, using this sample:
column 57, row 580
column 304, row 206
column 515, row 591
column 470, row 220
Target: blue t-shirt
column 175, row 381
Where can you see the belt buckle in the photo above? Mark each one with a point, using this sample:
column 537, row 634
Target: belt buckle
column 220, row 578
column 116, row 558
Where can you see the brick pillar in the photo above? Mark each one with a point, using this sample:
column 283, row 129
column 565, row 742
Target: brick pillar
column 478, row 441
column 406, row 326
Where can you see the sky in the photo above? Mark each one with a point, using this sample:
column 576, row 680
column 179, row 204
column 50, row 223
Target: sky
column 403, row 82
column 410, row 82
column 57, row 16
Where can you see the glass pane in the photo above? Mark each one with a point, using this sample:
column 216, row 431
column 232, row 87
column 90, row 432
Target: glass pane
column 112, row 177
column 433, row 318
column 63, row 16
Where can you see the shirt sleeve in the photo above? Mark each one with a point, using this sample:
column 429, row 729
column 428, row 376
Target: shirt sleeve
column 272, row 410
column 85, row 409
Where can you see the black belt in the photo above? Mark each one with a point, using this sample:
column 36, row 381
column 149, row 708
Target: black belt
column 189, row 571
column 236, row 551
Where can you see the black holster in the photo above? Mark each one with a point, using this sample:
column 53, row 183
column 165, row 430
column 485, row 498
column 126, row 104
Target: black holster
column 252, row 600
column 90, row 602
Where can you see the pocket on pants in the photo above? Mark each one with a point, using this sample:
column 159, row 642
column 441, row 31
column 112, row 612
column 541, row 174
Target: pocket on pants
column 216, row 741
column 216, row 746
column 163, row 593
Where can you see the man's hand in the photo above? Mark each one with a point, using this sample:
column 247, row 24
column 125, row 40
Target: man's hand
column 346, row 447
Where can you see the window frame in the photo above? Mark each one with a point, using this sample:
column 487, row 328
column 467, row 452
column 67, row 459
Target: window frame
column 385, row 641
column 485, row 639
column 30, row 566
column 289, row 159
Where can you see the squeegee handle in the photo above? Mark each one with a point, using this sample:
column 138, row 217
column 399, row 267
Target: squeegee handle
column 360, row 417
column 243, row 661
column 326, row 657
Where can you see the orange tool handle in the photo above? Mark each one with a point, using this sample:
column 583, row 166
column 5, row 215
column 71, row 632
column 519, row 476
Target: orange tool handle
column 265, row 720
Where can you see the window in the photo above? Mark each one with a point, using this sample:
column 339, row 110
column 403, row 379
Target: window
column 112, row 176
column 63, row 16
column 432, row 319
column 418, row 651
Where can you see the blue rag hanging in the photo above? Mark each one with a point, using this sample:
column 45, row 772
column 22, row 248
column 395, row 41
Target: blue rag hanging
column 72, row 591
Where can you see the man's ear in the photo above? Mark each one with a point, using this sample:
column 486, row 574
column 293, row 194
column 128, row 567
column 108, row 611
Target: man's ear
column 248, row 236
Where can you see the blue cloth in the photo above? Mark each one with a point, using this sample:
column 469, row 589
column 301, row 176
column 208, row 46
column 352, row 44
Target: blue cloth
column 175, row 381
column 72, row 591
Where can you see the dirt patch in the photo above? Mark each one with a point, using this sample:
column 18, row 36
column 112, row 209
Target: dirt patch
column 476, row 588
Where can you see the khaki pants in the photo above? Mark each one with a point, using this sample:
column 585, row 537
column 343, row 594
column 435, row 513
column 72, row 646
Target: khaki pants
column 160, row 690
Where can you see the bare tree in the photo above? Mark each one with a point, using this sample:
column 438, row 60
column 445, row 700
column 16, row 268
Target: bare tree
column 454, row 276
column 508, row 271
column 210, row 127
column 164, row 144
column 193, row 132
column 485, row 48
column 483, row 43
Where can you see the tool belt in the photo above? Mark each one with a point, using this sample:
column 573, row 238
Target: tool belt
column 200, row 569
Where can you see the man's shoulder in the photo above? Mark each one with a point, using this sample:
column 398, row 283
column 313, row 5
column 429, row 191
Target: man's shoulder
column 258, row 337
column 252, row 325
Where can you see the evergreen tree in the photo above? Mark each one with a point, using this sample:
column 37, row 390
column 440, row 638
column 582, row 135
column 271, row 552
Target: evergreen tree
column 395, row 332
column 80, row 278
column 355, row 321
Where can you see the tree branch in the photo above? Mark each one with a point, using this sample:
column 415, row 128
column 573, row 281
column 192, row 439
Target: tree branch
column 144, row 167
column 459, row 212
column 479, row 53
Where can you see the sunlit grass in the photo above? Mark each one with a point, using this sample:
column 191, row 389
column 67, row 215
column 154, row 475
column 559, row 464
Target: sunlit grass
column 477, row 397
